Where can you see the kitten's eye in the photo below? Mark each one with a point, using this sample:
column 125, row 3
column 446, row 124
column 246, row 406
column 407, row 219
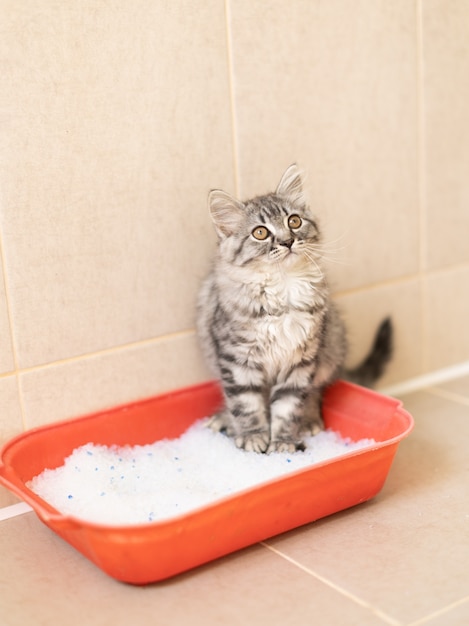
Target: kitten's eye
column 260, row 233
column 294, row 221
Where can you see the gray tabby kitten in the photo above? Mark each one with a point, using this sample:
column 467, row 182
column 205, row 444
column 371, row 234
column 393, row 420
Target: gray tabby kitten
column 266, row 321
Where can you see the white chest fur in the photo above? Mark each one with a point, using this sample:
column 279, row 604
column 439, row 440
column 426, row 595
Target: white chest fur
column 287, row 293
column 287, row 323
column 280, row 341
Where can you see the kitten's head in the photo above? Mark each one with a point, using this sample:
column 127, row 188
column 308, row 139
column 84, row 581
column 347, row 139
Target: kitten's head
column 276, row 228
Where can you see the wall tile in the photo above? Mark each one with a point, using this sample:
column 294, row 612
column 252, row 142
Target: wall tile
column 446, row 90
column 89, row 384
column 10, row 416
column 334, row 88
column 116, row 123
column 7, row 363
column 447, row 313
column 364, row 310
column 11, row 423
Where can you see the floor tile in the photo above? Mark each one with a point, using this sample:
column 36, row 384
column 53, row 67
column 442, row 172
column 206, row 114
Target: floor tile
column 400, row 559
column 458, row 386
column 42, row 579
column 451, row 616
column 6, row 497
column 407, row 550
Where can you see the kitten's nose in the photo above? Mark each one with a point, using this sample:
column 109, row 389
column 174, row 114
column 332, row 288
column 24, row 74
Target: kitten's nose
column 287, row 243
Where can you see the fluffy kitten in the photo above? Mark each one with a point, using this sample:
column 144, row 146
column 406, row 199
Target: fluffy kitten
column 267, row 324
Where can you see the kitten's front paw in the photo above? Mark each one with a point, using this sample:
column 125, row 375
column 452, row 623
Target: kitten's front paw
column 316, row 427
column 254, row 442
column 220, row 422
column 285, row 446
column 312, row 428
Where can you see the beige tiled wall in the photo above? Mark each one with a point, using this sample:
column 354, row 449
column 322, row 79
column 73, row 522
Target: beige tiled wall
column 115, row 121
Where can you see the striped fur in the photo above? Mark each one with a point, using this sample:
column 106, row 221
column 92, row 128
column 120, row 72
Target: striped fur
column 266, row 322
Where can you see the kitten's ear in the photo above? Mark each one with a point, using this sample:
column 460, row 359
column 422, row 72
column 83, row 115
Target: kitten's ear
column 291, row 184
column 227, row 212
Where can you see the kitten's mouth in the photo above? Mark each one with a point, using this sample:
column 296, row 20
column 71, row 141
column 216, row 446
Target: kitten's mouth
column 285, row 253
column 288, row 256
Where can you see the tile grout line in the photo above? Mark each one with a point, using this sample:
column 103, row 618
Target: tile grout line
column 422, row 181
column 446, row 609
column 107, row 351
column 448, row 395
column 390, row 282
column 399, row 280
column 387, row 618
column 14, row 347
column 231, row 81
column 421, row 143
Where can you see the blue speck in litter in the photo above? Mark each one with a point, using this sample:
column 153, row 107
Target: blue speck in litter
column 69, row 496
column 96, row 469
column 103, row 493
column 89, row 453
column 288, row 460
column 112, row 467
column 176, row 458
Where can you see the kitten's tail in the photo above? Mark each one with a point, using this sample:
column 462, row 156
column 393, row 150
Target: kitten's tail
column 374, row 364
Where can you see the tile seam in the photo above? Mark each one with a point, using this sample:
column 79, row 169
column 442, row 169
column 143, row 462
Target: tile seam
column 440, row 612
column 421, row 143
column 399, row 280
column 14, row 348
column 390, row 282
column 108, row 351
column 448, row 395
column 231, row 82
column 422, row 183
column 357, row 600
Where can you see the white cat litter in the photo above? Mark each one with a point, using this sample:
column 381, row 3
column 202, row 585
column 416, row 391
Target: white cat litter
column 141, row 484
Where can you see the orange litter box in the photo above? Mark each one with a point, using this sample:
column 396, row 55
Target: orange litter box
column 150, row 552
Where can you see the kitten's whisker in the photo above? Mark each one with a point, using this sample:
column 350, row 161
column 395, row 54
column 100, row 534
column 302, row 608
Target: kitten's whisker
column 325, row 254
column 311, row 258
column 329, row 247
column 333, row 249
column 339, row 238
